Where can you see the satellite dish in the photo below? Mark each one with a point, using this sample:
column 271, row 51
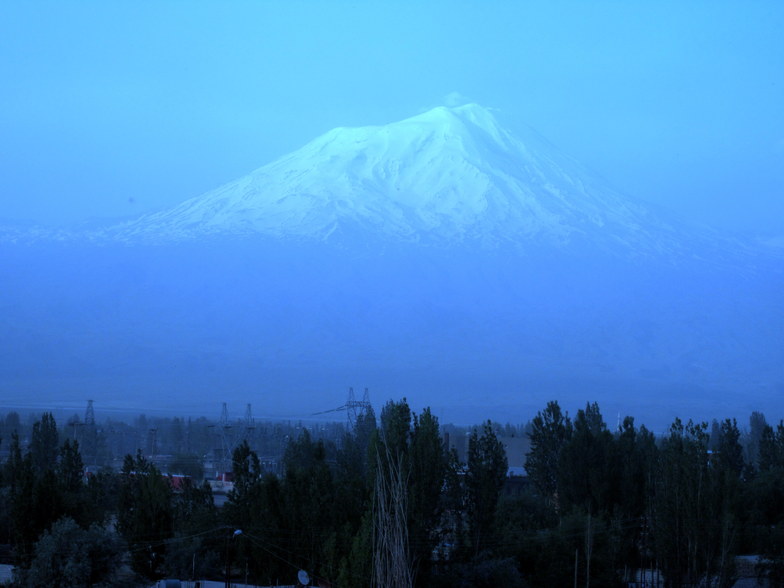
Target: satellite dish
column 303, row 578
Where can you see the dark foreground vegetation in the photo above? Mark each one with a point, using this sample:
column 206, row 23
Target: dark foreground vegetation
column 389, row 503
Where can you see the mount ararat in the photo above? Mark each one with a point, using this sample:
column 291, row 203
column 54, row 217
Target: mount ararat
column 441, row 258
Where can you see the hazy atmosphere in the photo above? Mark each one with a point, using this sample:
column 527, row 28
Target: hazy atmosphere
column 392, row 294
column 655, row 272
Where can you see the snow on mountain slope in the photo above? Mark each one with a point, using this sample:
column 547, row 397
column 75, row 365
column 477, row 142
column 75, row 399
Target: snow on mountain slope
column 85, row 311
column 448, row 174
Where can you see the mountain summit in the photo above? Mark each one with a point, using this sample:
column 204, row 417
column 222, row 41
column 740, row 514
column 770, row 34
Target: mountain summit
column 449, row 174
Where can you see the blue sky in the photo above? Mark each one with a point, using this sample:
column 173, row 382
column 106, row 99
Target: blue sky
column 112, row 109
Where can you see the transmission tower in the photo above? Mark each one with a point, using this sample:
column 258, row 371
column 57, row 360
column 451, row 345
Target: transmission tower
column 225, row 432
column 250, row 424
column 89, row 439
column 89, row 414
column 353, row 407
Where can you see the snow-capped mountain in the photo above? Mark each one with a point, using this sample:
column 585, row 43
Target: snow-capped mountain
column 450, row 174
column 442, row 257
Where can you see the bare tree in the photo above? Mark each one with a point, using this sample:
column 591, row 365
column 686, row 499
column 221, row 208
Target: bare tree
column 390, row 527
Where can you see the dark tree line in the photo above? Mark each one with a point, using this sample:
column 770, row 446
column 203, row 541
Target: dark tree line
column 685, row 504
column 390, row 504
column 56, row 523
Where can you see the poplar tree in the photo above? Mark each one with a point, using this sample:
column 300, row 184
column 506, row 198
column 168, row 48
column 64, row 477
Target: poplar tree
column 145, row 515
column 485, row 475
column 550, row 431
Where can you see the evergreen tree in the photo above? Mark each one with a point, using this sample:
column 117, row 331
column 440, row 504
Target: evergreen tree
column 22, row 481
column 730, row 451
column 428, row 470
column 353, row 537
column 771, row 447
column 70, row 474
column 588, row 479
column 309, row 512
column 145, row 515
column 550, row 431
column 682, row 505
column 194, row 551
column 256, row 506
column 636, row 455
column 44, row 444
column 757, row 424
column 70, row 556
column 587, row 475
column 485, row 475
